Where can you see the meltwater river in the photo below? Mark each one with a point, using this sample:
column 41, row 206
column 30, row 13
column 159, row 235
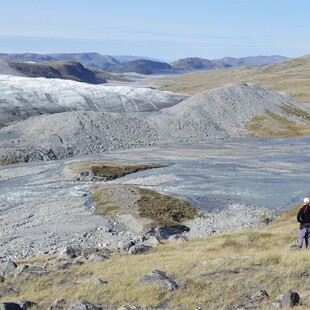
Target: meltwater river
column 273, row 173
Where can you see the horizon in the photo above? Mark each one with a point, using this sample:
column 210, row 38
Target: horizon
column 163, row 30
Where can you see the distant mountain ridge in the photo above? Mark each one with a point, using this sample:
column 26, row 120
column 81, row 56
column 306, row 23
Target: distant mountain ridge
column 195, row 63
column 142, row 65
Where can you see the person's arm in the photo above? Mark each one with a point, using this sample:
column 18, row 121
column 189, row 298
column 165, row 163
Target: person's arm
column 299, row 215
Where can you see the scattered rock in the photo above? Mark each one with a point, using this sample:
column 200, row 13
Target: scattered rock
column 290, row 299
column 161, row 279
column 83, row 304
column 139, row 249
column 7, row 269
column 250, row 300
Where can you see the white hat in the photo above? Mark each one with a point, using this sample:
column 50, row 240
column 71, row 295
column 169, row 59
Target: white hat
column 306, row 200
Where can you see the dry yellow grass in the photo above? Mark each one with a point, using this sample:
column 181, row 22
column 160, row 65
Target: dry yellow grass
column 212, row 272
column 291, row 76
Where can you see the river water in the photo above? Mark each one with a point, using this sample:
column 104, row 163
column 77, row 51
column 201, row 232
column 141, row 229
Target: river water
column 273, row 173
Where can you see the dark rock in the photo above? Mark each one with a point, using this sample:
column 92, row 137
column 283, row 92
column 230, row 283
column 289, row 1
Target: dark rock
column 161, row 279
column 7, row 269
column 73, row 251
column 9, row 306
column 7, row 292
column 290, row 299
column 26, row 304
column 83, row 304
column 164, row 233
column 139, row 249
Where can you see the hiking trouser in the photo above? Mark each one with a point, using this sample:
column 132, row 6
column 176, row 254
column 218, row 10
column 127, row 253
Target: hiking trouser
column 304, row 234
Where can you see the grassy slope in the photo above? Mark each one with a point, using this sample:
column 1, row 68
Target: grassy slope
column 208, row 269
column 291, row 76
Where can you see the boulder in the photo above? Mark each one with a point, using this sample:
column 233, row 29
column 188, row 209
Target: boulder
column 250, row 300
column 139, row 249
column 290, row 299
column 83, row 304
column 97, row 281
column 27, row 271
column 9, row 306
column 7, row 269
column 160, row 279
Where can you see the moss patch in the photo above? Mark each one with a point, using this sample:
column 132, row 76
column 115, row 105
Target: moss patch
column 110, row 170
column 164, row 210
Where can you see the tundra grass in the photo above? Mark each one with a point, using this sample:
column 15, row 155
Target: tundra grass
column 211, row 272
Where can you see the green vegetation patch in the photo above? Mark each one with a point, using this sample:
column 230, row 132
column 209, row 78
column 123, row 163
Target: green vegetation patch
column 6, row 160
column 164, row 210
column 274, row 125
column 103, row 207
column 291, row 109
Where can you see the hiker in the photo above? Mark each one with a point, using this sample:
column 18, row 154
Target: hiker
column 303, row 217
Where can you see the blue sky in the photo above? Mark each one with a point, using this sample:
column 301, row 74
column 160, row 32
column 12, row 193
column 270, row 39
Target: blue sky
column 162, row 29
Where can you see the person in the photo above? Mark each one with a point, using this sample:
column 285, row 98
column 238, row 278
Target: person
column 303, row 217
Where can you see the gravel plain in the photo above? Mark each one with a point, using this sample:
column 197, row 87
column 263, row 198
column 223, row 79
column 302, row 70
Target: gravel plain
column 58, row 212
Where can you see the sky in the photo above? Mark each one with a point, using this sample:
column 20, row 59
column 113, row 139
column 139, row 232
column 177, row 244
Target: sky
column 160, row 29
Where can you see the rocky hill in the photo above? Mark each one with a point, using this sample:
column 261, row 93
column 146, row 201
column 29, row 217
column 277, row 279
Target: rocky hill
column 194, row 63
column 22, row 97
column 228, row 62
column 219, row 113
column 141, row 66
